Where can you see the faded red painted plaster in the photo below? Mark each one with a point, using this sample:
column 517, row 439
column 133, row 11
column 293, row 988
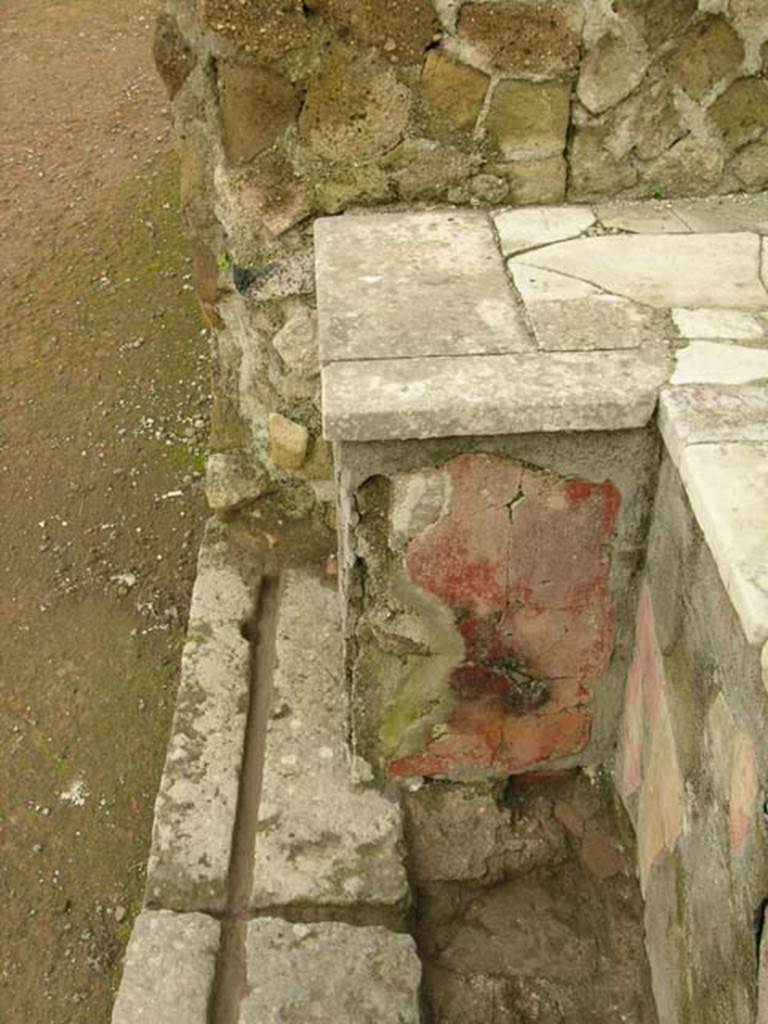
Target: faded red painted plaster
column 522, row 559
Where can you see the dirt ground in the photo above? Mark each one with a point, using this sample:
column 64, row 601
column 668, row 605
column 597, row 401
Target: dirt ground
column 104, row 397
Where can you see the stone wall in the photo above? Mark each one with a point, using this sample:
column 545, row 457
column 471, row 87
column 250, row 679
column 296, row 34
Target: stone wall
column 691, row 774
column 289, row 110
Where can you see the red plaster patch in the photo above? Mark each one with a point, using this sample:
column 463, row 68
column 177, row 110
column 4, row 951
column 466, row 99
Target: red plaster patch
column 522, row 558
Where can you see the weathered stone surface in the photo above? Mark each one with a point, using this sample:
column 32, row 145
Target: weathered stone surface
column 461, row 834
column 707, row 362
column 268, row 197
column 529, row 120
column 727, row 485
column 413, row 284
column 168, row 969
column 288, row 442
column 257, row 106
column 270, row 30
column 751, row 165
column 232, row 480
column 296, row 342
column 317, row 973
column 533, row 181
column 641, row 218
column 663, row 19
column 401, row 28
column 692, row 158
column 527, row 229
column 708, row 51
column 520, row 560
column 355, row 108
column 500, row 394
column 570, row 315
column 524, row 36
column 646, row 124
column 425, row 169
column 614, row 65
column 594, row 170
column 719, row 323
column 195, row 807
column 707, row 413
column 718, row 271
column 280, row 279
column 741, row 113
column 173, row 55
column 724, row 213
column 324, row 836
column 456, row 89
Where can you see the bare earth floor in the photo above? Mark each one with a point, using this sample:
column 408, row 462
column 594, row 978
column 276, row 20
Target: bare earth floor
column 104, row 391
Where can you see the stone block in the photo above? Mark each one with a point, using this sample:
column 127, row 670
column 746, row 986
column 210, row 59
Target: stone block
column 504, row 394
column 524, row 36
column 257, row 106
column 232, row 480
column 741, row 113
column 317, row 973
column 533, row 181
column 708, row 51
column 296, row 342
column 727, row 485
column 702, row 413
column 529, row 120
column 644, row 218
column 751, row 165
column 425, row 169
column 196, row 804
column 269, row 196
column 288, row 442
column 455, row 89
column 519, row 230
column 694, row 158
column 174, row 57
column 356, row 108
column 716, row 271
column 717, row 324
column 168, row 970
column 269, row 31
column 594, row 171
column 402, row 29
column 413, row 284
column 662, row 20
column 325, row 836
column 708, row 362
column 571, row 315
column 612, row 68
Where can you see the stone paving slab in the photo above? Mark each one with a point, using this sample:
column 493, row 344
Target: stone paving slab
column 329, row 974
column 710, row 362
column 693, row 270
column 709, row 413
column 727, row 485
column 196, row 804
column 510, row 394
column 718, row 324
column 325, row 837
column 413, row 284
column 168, row 970
column 534, row 226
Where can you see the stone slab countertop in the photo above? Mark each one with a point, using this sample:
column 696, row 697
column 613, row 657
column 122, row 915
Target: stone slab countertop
column 451, row 322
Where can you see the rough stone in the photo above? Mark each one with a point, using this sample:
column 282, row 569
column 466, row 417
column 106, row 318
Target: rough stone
column 646, row 124
column 269, row 31
column 316, row 973
column 741, row 113
column 663, row 20
column 402, row 29
column 571, row 315
column 418, row 500
column 594, row 170
column 325, row 837
column 534, row 181
column 528, row 229
column 288, row 442
column 711, row 413
column 173, row 55
column 718, row 271
column 269, row 195
column 706, row 53
column 529, row 120
column 522, row 36
column 195, row 808
column 692, row 158
column 280, row 279
column 296, row 342
column 168, row 970
column 425, row 169
column 719, row 323
column 456, row 89
column 744, row 790
column 613, row 67
column 232, row 480
column 727, row 485
column 413, row 284
column 460, row 834
column 708, row 362
column 257, row 106
column 751, row 165
column 354, row 109
column 495, row 394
